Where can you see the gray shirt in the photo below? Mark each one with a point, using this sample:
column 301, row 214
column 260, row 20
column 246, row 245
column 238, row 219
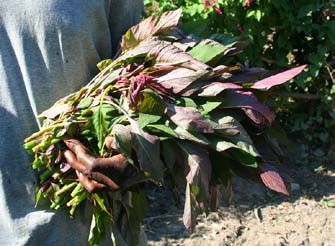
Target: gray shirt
column 48, row 49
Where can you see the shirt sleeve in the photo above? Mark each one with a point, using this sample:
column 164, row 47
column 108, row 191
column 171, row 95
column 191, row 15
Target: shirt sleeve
column 123, row 14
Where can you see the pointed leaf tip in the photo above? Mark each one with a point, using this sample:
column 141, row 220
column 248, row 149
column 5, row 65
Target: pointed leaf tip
column 278, row 79
column 272, row 179
column 150, row 27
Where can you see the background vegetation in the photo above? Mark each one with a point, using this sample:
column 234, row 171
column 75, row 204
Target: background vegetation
column 282, row 34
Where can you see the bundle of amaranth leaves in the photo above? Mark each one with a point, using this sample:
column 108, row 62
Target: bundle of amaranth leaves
column 167, row 110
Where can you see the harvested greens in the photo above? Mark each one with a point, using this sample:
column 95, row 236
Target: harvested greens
column 176, row 114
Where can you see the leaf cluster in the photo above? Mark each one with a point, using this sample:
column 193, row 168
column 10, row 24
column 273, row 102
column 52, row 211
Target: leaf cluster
column 179, row 115
column 281, row 34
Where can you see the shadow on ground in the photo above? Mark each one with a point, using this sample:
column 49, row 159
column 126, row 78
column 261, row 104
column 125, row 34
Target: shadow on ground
column 163, row 222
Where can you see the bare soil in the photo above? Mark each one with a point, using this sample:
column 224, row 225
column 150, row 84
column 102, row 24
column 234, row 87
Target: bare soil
column 257, row 217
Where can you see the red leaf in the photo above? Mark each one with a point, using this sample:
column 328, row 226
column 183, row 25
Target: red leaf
column 272, row 179
column 280, row 78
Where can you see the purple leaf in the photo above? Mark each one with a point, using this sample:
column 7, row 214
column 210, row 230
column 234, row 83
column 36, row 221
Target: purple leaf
column 271, row 178
column 149, row 27
column 200, row 171
column 216, row 88
column 247, row 100
column 200, row 167
column 256, row 117
column 248, row 75
column 180, row 78
column 190, row 211
column 171, row 54
column 147, row 148
column 192, row 136
column 188, row 118
column 280, row 78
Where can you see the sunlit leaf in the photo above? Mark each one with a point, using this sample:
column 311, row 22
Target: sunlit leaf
column 190, row 210
column 277, row 79
column 161, row 129
column 149, row 27
column 215, row 88
column 192, row 136
column 167, row 53
column 181, row 78
column 146, row 119
column 54, row 111
column 207, row 50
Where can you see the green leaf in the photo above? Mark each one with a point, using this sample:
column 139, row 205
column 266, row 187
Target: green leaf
column 100, row 202
column 186, row 102
column 135, row 206
column 104, row 63
column 99, row 223
column 209, row 106
column 169, row 153
column 161, row 129
column 243, row 157
column 208, row 50
column 99, row 126
column 38, row 197
column 123, row 141
column 219, row 144
column 151, row 103
column 85, row 103
column 241, row 139
column 192, row 136
column 146, row 119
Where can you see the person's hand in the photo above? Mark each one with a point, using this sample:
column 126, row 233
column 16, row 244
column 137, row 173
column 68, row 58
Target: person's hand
column 95, row 173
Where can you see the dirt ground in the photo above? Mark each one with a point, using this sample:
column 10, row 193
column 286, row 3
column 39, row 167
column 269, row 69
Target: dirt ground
column 257, row 217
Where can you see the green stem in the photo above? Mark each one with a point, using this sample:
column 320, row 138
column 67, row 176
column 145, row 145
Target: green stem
column 66, row 188
column 44, row 130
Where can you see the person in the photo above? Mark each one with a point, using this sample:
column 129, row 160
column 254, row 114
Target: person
column 48, row 49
